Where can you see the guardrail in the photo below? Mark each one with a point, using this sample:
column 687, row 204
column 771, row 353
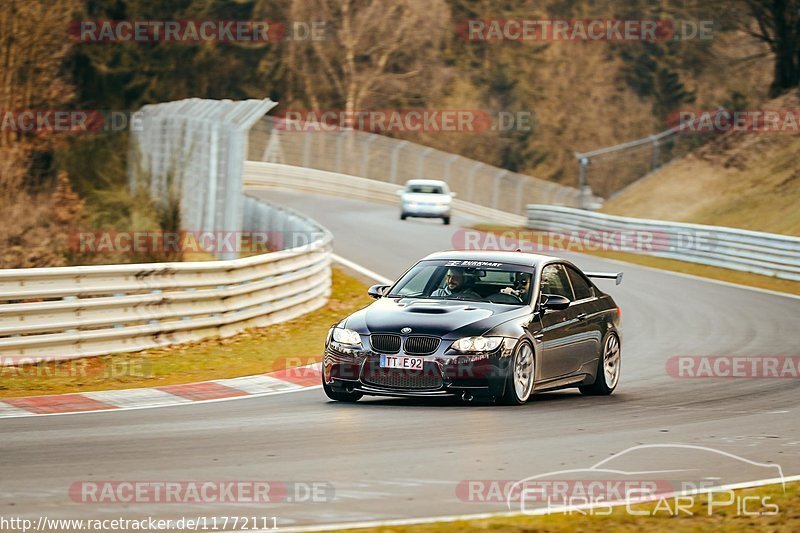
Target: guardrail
column 748, row 251
column 68, row 312
column 262, row 175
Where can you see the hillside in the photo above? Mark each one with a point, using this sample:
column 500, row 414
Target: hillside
column 744, row 180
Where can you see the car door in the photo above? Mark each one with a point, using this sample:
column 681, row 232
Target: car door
column 589, row 315
column 557, row 356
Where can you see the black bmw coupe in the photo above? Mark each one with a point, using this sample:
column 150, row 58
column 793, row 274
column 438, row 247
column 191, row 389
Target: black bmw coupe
column 497, row 326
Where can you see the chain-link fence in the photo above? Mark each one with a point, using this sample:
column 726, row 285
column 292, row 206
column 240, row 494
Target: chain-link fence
column 606, row 171
column 194, row 150
column 382, row 158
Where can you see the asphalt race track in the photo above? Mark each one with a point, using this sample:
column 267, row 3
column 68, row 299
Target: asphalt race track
column 397, row 458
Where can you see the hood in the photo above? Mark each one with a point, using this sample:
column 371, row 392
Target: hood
column 445, row 318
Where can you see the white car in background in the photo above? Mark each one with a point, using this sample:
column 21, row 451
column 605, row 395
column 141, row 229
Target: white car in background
column 425, row 199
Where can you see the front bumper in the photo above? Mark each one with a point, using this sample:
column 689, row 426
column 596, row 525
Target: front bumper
column 444, row 373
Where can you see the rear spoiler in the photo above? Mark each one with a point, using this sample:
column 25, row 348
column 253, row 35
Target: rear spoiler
column 606, row 275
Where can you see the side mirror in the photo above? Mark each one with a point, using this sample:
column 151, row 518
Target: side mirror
column 376, row 291
column 399, row 192
column 453, row 194
column 553, row 302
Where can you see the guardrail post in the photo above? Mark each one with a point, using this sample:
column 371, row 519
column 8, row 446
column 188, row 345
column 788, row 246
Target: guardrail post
column 450, row 160
column 520, row 184
column 339, row 138
column 655, row 162
column 584, row 162
column 365, row 155
column 421, row 162
column 213, row 169
column 471, row 181
column 395, row 155
column 498, row 178
column 307, row 149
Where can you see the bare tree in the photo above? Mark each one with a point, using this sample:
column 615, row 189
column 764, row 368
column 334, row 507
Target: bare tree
column 33, row 43
column 373, row 50
column 777, row 23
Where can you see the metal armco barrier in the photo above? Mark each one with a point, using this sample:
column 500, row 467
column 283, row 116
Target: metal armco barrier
column 748, row 251
column 261, row 175
column 69, row 312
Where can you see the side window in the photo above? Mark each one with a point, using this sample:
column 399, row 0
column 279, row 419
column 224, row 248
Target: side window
column 579, row 285
column 555, row 281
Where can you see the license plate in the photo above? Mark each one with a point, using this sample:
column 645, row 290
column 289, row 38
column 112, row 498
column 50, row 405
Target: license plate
column 403, row 363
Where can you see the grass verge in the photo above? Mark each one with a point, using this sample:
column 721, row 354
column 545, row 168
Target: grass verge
column 722, row 274
column 254, row 351
column 658, row 516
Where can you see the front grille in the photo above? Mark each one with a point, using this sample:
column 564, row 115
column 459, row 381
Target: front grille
column 392, row 378
column 419, row 345
column 385, row 343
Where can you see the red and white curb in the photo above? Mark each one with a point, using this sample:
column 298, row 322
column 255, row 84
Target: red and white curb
column 281, row 381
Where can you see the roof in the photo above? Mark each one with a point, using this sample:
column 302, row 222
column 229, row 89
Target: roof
column 514, row 258
column 426, row 182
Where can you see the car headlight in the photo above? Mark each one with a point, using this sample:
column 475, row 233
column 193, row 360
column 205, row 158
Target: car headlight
column 477, row 344
column 346, row 336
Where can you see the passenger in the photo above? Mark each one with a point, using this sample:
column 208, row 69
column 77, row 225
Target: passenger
column 522, row 286
column 455, row 286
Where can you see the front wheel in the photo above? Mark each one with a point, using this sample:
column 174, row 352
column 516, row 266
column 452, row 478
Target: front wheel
column 340, row 396
column 446, row 221
column 608, row 366
column 519, row 379
column 403, row 216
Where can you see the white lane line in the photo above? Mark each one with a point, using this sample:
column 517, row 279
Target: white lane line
column 511, row 514
column 361, row 269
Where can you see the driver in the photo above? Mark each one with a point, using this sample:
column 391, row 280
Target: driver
column 455, row 286
column 522, row 286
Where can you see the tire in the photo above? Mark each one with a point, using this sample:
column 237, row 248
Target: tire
column 446, row 221
column 608, row 369
column 340, row 396
column 402, row 216
column 520, row 376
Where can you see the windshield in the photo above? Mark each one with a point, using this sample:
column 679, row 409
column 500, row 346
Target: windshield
column 425, row 189
column 482, row 281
